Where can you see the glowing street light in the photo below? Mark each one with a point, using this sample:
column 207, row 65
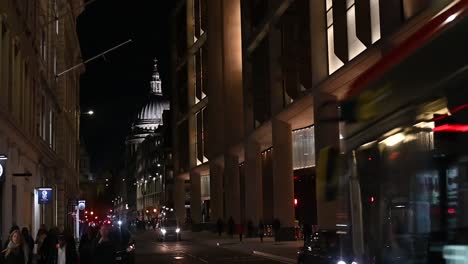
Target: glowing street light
column 154, row 210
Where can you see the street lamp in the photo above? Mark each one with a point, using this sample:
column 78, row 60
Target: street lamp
column 88, row 113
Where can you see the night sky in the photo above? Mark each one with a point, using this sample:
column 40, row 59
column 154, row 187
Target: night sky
column 116, row 86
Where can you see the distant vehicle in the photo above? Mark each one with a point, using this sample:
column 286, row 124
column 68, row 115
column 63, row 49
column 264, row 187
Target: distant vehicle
column 326, row 247
column 169, row 229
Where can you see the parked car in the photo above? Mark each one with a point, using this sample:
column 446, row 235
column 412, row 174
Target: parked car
column 169, row 230
column 326, row 247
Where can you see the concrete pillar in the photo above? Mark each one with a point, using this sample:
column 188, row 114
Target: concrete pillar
column 232, row 73
column 216, row 191
column 326, row 134
column 253, row 182
column 283, row 180
column 179, row 199
column 195, row 197
column 231, row 165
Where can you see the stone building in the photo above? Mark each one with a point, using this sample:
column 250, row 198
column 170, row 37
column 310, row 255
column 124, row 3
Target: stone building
column 39, row 112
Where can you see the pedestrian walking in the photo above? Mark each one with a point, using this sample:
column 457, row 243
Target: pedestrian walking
column 240, row 231
column 276, row 229
column 261, row 230
column 66, row 249
column 13, row 228
column 87, row 243
column 219, row 226
column 15, row 252
column 49, row 246
column 250, row 229
column 307, row 230
column 231, row 226
column 40, row 237
column 104, row 253
column 29, row 242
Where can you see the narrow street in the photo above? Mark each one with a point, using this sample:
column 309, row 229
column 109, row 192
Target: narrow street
column 149, row 250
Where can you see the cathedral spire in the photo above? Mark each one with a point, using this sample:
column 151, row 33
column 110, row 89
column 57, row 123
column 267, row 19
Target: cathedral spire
column 155, row 80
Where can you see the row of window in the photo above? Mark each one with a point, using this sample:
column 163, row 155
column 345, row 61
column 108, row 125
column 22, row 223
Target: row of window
column 23, row 89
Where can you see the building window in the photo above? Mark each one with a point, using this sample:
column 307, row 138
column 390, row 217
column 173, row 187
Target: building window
column 303, row 141
column 200, row 140
column 355, row 45
column 205, row 186
column 200, row 68
column 199, row 15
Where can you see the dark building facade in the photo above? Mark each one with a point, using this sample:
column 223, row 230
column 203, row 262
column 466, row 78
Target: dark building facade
column 255, row 82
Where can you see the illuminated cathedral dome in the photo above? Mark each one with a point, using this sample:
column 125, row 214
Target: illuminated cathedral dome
column 150, row 115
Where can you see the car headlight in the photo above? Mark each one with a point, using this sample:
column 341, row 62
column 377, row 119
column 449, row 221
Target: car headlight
column 163, row 231
column 341, row 262
column 354, row 262
column 178, row 230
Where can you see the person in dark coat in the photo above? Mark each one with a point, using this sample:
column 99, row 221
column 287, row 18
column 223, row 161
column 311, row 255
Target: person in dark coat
column 49, row 247
column 276, row 229
column 66, row 249
column 14, row 253
column 261, row 230
column 104, row 253
column 231, row 226
column 29, row 242
column 40, row 238
column 219, row 226
column 87, row 244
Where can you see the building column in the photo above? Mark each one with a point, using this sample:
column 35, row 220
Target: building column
column 253, row 182
column 216, row 191
column 283, row 178
column 326, row 135
column 195, row 197
column 179, row 199
column 231, row 170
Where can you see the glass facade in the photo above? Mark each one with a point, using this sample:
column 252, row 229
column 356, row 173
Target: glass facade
column 303, row 141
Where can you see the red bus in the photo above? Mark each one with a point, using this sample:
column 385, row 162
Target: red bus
column 406, row 143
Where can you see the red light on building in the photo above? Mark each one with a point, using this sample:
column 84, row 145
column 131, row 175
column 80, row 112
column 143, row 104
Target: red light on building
column 451, row 128
column 295, row 202
column 451, row 210
column 110, row 211
column 95, row 217
column 86, row 212
column 369, row 159
column 296, row 178
column 394, row 155
column 92, row 212
column 372, row 199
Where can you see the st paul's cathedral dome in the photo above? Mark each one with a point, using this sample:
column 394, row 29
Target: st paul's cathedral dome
column 150, row 116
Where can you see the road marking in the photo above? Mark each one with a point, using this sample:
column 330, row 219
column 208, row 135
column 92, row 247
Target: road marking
column 274, row 257
column 195, row 257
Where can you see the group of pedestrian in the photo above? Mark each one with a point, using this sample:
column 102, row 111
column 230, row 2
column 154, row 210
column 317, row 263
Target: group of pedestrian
column 55, row 247
column 231, row 226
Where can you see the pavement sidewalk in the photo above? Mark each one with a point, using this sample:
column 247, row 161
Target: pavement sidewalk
column 285, row 252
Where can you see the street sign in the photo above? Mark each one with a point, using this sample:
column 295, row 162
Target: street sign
column 44, row 195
